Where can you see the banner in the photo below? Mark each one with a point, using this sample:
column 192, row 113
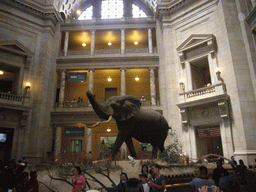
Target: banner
column 74, row 131
column 77, row 76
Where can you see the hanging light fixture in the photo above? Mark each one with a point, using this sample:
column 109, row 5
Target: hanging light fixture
column 1, row 72
column 136, row 42
column 109, row 43
column 108, row 129
column 83, row 44
column 109, row 79
column 137, row 78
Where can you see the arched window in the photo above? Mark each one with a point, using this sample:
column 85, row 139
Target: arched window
column 111, row 9
column 137, row 12
column 87, row 14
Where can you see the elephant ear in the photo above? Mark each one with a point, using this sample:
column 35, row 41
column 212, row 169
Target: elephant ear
column 128, row 105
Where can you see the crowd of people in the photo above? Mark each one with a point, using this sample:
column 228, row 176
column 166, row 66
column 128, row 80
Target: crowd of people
column 147, row 181
column 14, row 178
column 242, row 180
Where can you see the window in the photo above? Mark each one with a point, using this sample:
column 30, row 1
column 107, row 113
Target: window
column 87, row 14
column 137, row 12
column 111, row 9
column 76, row 146
column 200, row 73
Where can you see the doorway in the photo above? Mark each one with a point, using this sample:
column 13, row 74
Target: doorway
column 109, row 92
column 6, row 137
column 208, row 141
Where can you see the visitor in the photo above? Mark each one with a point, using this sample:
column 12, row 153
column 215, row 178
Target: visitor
column 142, row 98
column 158, row 183
column 120, row 187
column 143, row 178
column 22, row 186
column 78, row 180
column 219, row 172
column 202, row 179
column 32, row 184
column 133, row 185
column 144, row 169
column 233, row 162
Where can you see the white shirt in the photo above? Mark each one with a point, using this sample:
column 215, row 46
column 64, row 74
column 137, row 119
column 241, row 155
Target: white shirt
column 146, row 187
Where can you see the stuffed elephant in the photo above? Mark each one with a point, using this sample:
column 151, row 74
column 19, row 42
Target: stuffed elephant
column 133, row 121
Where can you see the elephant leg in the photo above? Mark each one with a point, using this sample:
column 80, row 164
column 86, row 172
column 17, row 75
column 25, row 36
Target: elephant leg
column 130, row 146
column 119, row 141
column 154, row 152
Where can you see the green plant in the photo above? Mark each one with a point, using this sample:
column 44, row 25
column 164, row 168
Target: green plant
column 172, row 152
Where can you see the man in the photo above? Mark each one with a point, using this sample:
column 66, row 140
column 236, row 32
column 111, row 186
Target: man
column 219, row 172
column 202, row 179
column 143, row 179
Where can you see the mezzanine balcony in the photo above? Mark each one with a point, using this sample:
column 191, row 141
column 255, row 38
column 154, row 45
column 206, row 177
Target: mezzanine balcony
column 14, row 101
column 202, row 95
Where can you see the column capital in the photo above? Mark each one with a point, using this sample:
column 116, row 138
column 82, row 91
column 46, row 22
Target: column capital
column 61, row 70
column 122, row 29
column 93, row 30
column 91, row 70
column 152, row 68
column 122, row 68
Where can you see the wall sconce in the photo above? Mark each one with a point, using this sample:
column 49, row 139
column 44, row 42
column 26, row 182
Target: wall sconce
column 1, row 72
column 136, row 42
column 108, row 129
column 83, row 44
column 218, row 72
column 137, row 78
column 182, row 85
column 109, row 79
column 109, row 43
column 27, row 89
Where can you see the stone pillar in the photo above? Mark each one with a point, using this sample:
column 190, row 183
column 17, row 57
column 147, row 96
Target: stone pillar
column 91, row 79
column 88, row 141
column 150, row 42
column 92, row 42
column 20, row 81
column 122, row 41
column 212, row 67
column 62, row 87
column 123, row 83
column 57, row 150
column 66, row 43
column 152, row 86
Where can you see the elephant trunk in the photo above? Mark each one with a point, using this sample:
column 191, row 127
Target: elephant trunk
column 96, row 106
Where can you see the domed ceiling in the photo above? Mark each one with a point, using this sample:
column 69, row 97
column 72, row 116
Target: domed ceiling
column 69, row 6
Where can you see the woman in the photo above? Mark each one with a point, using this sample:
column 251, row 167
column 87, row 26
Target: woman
column 78, row 180
column 158, row 184
column 144, row 169
column 121, row 186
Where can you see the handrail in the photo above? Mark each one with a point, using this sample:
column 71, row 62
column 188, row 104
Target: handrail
column 11, row 97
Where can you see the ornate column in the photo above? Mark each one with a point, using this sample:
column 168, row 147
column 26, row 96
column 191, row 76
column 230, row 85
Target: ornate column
column 88, row 140
column 152, row 86
column 122, row 41
column 91, row 79
column 92, row 42
column 66, row 43
column 57, row 149
column 123, row 83
column 62, row 87
column 150, row 42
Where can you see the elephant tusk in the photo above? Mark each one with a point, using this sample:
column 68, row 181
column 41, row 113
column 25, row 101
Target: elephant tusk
column 109, row 119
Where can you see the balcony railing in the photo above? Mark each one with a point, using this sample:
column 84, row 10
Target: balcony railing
column 109, row 51
column 13, row 100
column 203, row 93
column 86, row 104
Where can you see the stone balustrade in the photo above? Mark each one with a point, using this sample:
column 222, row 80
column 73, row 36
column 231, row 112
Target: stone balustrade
column 14, row 100
column 203, row 93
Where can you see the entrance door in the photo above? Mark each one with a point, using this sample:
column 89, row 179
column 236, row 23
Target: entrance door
column 109, row 92
column 6, row 137
column 209, row 141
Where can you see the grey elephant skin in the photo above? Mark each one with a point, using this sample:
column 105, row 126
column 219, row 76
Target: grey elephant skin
column 133, row 121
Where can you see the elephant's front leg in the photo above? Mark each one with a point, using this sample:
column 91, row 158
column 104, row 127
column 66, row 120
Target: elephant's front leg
column 119, row 141
column 130, row 146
